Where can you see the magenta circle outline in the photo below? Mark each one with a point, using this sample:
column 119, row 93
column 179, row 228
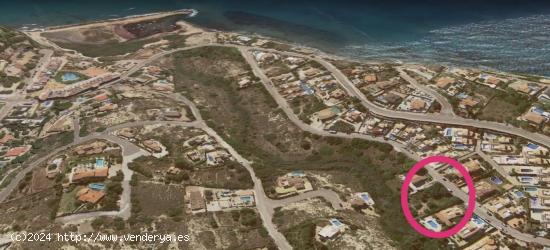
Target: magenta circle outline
column 405, row 197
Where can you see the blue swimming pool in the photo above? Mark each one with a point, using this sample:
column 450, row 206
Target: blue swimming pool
column 306, row 88
column 335, row 222
column 69, row 77
column 478, row 221
column 526, row 178
column 432, row 224
column 246, row 199
column 99, row 163
column 97, row 186
column 532, row 146
column 496, row 180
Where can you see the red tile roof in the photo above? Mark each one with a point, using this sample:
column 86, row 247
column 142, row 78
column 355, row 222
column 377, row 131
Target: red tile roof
column 17, row 151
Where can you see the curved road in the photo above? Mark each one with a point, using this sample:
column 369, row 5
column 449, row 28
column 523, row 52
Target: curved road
column 265, row 204
column 414, row 117
column 354, row 91
column 456, row 191
column 446, row 107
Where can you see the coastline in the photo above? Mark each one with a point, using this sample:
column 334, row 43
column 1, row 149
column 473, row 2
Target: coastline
column 306, row 49
column 130, row 18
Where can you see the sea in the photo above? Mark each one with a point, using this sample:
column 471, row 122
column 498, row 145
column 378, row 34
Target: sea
column 508, row 35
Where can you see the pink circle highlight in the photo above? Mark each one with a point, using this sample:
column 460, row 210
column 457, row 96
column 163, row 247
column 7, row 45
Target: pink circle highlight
column 405, row 197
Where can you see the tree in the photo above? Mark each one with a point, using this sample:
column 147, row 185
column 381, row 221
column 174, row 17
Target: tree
column 119, row 223
column 182, row 164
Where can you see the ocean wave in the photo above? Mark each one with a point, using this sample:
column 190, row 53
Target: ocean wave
column 518, row 45
column 194, row 12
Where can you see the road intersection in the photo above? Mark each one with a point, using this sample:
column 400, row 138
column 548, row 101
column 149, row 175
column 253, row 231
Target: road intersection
column 264, row 204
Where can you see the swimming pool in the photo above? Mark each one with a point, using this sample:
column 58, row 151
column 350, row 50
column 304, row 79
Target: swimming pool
column 335, row 222
column 478, row 221
column 496, row 180
column 246, row 199
column 69, row 77
column 306, row 88
column 526, row 178
column 99, row 163
column 97, row 186
column 433, row 224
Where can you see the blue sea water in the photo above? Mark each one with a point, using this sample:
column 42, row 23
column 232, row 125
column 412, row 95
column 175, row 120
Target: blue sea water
column 509, row 35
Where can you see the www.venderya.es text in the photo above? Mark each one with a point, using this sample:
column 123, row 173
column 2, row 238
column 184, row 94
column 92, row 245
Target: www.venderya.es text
column 99, row 237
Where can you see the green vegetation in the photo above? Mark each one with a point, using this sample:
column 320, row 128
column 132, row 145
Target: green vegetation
column 67, row 204
column 59, row 106
column 247, row 217
column 7, row 81
column 84, row 130
column 113, row 192
column 302, row 236
column 436, row 197
column 8, row 179
column 9, row 37
column 341, row 126
column 306, row 106
column 242, row 121
column 45, row 145
column 113, row 48
column 138, row 166
column 218, row 53
column 176, row 41
column 505, row 106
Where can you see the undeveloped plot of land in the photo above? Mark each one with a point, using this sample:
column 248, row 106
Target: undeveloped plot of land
column 504, row 108
column 40, row 181
column 300, row 221
column 205, row 74
column 228, row 230
column 117, row 37
column 31, row 213
column 96, row 35
column 159, row 199
column 251, row 122
column 236, row 178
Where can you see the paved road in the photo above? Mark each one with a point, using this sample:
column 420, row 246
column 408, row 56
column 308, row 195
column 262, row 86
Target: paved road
column 125, row 199
column 130, row 149
column 414, row 117
column 466, row 156
column 7, row 174
column 446, row 107
column 496, row 166
column 432, row 118
column 455, row 190
column 5, row 242
column 263, row 202
column 9, row 103
column 40, row 66
column 353, row 91
column 483, row 213
column 76, row 127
